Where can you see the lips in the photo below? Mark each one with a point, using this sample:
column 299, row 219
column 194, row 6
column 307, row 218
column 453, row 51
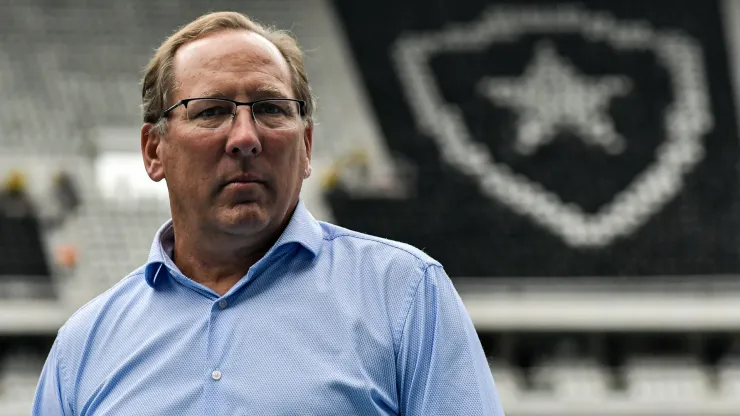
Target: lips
column 244, row 181
column 246, row 177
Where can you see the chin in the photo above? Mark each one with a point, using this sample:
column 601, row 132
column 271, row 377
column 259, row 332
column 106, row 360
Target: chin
column 244, row 218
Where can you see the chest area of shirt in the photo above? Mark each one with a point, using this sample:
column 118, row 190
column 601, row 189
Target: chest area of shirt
column 243, row 360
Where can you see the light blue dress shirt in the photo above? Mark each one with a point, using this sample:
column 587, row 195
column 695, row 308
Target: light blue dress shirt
column 328, row 322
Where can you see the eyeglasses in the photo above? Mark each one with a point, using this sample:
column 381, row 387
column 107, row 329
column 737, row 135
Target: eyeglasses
column 217, row 113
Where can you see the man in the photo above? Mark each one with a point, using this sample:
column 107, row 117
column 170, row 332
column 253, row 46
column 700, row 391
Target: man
column 14, row 200
column 247, row 304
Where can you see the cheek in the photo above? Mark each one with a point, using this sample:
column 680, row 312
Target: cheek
column 190, row 165
column 292, row 160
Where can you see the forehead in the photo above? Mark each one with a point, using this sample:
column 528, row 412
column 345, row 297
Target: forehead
column 233, row 63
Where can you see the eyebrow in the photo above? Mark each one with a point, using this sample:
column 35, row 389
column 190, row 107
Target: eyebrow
column 263, row 91
column 269, row 90
column 213, row 94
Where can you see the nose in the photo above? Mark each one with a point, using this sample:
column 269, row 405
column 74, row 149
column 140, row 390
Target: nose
column 243, row 139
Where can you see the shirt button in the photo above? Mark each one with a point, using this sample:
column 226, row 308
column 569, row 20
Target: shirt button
column 216, row 375
column 223, row 304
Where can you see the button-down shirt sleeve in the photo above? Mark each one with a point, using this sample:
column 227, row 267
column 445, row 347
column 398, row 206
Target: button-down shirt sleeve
column 442, row 367
column 49, row 398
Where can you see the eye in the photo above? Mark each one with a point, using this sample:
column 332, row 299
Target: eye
column 214, row 111
column 270, row 108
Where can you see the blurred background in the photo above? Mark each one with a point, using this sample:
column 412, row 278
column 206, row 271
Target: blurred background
column 573, row 165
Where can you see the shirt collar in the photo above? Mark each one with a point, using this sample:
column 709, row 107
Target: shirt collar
column 302, row 229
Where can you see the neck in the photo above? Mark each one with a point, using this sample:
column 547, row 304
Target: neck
column 219, row 261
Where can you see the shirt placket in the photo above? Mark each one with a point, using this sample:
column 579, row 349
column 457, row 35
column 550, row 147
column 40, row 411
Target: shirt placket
column 214, row 375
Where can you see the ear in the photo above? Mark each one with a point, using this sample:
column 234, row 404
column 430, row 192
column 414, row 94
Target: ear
column 308, row 142
column 150, row 147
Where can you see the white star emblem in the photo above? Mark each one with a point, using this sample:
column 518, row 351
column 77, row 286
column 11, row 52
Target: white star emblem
column 552, row 96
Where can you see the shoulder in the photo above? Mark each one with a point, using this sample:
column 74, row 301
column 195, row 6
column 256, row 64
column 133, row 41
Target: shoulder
column 379, row 265
column 395, row 274
column 77, row 329
column 376, row 248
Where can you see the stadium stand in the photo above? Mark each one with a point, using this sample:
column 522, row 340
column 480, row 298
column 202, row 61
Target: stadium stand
column 576, row 319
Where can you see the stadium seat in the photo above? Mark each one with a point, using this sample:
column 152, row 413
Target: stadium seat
column 576, row 379
column 667, row 380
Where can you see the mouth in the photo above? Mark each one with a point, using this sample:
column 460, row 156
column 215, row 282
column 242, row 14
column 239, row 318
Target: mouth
column 245, row 182
column 243, row 185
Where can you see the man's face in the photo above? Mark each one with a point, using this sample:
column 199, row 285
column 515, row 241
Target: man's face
column 199, row 165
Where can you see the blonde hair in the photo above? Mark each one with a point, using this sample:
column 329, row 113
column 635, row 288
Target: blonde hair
column 158, row 81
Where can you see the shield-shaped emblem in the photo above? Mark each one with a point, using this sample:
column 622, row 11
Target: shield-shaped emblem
column 548, row 81
column 553, row 138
